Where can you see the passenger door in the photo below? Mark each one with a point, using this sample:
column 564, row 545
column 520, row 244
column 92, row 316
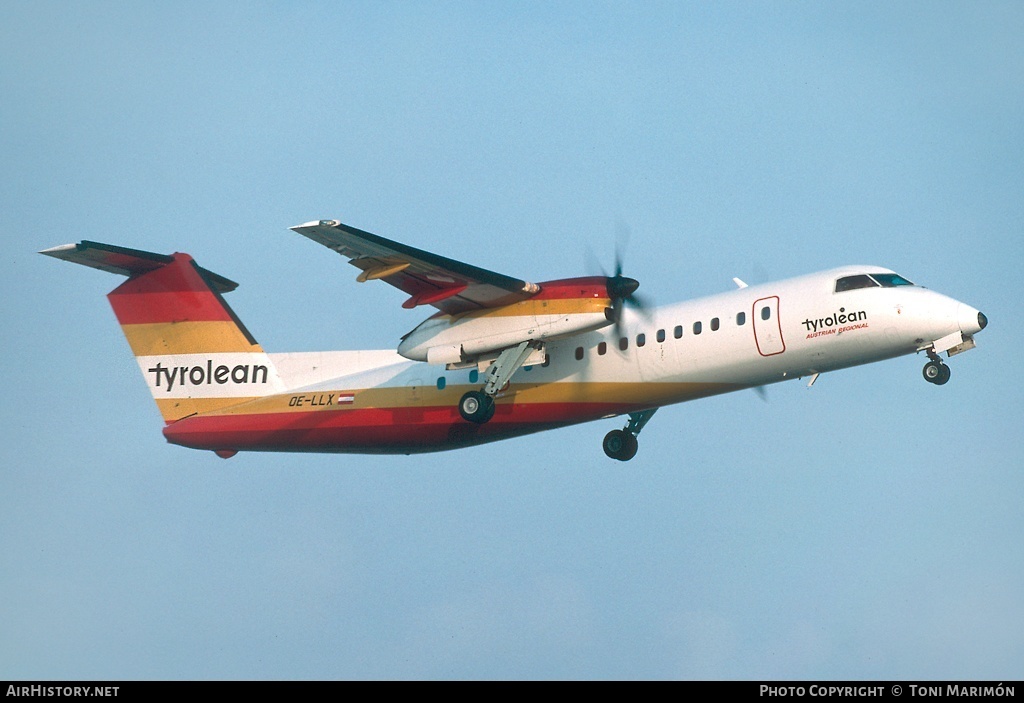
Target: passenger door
column 767, row 328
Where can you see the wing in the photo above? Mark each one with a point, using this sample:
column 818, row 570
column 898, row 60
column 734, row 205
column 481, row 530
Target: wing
column 450, row 286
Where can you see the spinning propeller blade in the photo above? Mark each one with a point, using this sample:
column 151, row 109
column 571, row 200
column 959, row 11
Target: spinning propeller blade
column 622, row 289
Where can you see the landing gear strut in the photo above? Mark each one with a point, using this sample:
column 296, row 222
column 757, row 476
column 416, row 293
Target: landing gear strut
column 622, row 444
column 478, row 406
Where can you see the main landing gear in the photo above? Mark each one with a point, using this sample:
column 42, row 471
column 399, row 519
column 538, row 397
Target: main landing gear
column 478, row 406
column 622, row 444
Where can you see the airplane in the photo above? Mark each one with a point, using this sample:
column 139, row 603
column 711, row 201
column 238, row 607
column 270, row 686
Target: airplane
column 500, row 357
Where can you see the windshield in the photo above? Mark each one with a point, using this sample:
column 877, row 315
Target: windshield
column 890, row 280
column 863, row 280
column 853, row 282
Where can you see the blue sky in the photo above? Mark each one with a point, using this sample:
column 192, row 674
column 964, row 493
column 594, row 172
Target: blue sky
column 869, row 527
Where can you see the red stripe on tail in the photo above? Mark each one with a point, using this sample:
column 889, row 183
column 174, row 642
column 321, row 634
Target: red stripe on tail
column 175, row 292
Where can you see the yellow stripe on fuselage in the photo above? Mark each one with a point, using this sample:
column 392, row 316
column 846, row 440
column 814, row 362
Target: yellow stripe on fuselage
column 176, row 408
column 567, row 306
column 631, row 394
column 154, row 339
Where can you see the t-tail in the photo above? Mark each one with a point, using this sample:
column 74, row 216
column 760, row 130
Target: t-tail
column 194, row 353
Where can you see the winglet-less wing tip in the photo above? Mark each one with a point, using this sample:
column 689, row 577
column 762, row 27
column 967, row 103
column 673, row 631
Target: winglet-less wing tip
column 57, row 251
column 315, row 223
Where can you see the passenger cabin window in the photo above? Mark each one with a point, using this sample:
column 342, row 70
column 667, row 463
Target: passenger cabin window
column 579, row 353
column 854, row 282
column 714, row 324
column 696, row 327
column 641, row 339
column 602, row 348
column 624, row 343
column 766, row 313
column 741, row 319
column 678, row 331
column 441, row 383
column 661, row 335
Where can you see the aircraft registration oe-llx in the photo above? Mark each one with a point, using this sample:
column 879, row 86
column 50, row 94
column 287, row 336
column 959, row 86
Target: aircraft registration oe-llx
column 501, row 357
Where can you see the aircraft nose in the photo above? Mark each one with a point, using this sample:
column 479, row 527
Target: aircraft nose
column 971, row 320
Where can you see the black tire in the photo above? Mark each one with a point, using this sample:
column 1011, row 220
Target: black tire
column 932, row 372
column 620, row 445
column 491, row 407
column 944, row 374
column 476, row 407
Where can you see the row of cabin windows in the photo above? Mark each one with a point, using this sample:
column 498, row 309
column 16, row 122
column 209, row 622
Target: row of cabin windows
column 641, row 339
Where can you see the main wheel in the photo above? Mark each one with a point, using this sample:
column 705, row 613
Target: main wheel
column 476, row 407
column 944, row 374
column 621, row 445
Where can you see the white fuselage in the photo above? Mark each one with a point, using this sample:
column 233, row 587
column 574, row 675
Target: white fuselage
column 741, row 338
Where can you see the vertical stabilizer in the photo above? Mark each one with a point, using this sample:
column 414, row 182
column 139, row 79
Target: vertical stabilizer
column 193, row 351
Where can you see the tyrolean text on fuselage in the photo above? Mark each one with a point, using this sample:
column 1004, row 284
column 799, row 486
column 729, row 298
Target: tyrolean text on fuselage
column 827, row 325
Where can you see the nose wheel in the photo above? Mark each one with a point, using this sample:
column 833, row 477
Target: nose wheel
column 936, row 372
column 622, row 444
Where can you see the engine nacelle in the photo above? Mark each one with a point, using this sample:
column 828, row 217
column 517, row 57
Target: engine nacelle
column 560, row 309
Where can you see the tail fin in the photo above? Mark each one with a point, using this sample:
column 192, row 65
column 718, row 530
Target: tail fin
column 194, row 353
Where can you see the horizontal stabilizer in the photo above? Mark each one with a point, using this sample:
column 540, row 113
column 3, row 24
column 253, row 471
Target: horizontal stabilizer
column 126, row 262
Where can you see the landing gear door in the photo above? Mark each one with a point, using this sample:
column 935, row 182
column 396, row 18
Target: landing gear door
column 767, row 328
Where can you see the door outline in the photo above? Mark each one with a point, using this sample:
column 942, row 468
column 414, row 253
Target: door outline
column 768, row 334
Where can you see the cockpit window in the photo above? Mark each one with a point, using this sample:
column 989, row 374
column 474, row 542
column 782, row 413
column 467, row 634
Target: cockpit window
column 890, row 280
column 854, row 282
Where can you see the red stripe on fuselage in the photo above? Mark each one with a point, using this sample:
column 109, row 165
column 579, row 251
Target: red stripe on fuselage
column 402, row 430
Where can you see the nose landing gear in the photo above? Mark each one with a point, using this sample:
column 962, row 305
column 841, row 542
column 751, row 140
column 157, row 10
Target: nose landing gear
column 936, row 372
column 957, row 342
column 622, row 444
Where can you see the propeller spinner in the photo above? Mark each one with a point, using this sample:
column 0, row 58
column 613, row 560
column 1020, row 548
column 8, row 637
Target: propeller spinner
column 622, row 291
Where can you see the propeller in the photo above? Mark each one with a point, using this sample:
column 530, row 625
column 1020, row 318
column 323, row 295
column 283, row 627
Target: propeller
column 622, row 289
